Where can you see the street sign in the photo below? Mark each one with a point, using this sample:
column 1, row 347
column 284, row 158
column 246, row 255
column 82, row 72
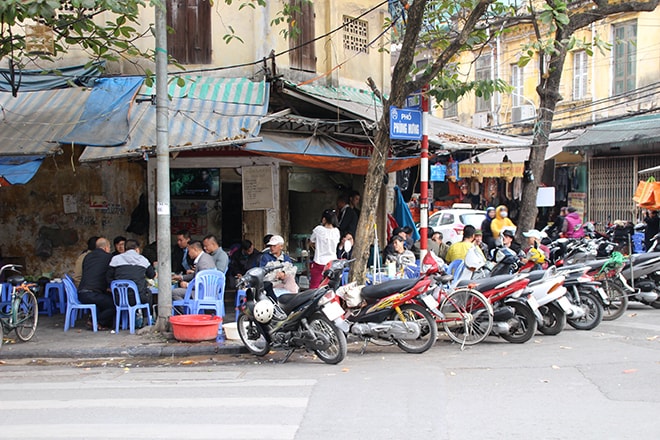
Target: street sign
column 414, row 101
column 405, row 124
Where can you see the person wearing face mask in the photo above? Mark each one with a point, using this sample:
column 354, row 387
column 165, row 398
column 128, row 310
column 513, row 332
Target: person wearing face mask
column 500, row 221
column 345, row 247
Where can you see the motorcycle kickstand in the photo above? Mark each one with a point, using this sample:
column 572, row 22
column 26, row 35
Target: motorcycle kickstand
column 364, row 346
column 288, row 355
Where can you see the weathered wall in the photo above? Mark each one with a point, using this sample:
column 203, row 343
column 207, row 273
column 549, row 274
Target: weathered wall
column 64, row 204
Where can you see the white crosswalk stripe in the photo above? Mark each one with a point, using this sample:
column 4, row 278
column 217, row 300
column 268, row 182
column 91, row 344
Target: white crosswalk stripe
column 153, row 406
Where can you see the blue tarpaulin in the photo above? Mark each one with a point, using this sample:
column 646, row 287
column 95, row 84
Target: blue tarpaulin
column 402, row 213
column 104, row 121
column 39, row 80
column 18, row 170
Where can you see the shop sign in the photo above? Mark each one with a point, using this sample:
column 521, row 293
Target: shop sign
column 505, row 169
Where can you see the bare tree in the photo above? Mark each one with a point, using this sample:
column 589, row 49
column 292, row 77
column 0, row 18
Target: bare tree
column 565, row 22
column 463, row 26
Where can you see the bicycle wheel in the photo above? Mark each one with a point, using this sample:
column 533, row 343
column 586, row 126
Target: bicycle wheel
column 468, row 316
column 618, row 299
column 26, row 315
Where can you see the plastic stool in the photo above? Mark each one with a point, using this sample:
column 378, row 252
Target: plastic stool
column 55, row 292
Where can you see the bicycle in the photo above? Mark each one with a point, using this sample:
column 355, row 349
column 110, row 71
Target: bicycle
column 21, row 312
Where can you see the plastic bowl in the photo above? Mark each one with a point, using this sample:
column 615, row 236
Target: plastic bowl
column 231, row 331
column 195, row 328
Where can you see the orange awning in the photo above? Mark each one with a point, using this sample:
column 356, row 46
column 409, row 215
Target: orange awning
column 324, row 153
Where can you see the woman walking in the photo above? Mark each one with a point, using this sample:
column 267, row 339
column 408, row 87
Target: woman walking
column 324, row 240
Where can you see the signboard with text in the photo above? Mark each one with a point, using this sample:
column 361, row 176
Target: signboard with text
column 405, row 124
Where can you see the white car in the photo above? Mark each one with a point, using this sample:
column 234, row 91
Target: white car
column 452, row 221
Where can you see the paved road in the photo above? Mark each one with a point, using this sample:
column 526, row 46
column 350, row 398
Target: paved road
column 603, row 384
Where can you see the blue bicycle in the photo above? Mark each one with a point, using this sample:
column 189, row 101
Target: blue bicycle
column 19, row 311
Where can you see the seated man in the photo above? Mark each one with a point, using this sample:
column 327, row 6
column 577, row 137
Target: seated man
column 212, row 247
column 458, row 251
column 283, row 281
column 201, row 261
column 93, row 288
column 399, row 254
column 132, row 266
column 243, row 259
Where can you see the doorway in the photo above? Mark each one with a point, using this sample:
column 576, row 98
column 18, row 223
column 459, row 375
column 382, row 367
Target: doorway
column 232, row 214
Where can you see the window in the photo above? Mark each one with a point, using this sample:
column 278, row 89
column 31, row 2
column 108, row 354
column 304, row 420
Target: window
column 190, row 43
column 449, row 109
column 483, row 72
column 517, row 83
column 625, row 56
column 579, row 74
column 356, row 34
column 302, row 56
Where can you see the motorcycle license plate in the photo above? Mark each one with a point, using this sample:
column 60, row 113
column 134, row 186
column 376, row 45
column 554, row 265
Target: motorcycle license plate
column 565, row 304
column 533, row 303
column 332, row 311
column 430, row 302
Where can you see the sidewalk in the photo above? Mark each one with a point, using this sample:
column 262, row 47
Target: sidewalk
column 50, row 341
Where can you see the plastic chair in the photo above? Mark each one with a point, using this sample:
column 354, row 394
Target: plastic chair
column 209, row 292
column 456, row 269
column 5, row 297
column 73, row 305
column 184, row 304
column 125, row 311
column 241, row 297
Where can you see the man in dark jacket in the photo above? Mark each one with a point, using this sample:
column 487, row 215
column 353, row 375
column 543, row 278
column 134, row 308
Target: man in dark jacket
column 93, row 287
column 132, row 266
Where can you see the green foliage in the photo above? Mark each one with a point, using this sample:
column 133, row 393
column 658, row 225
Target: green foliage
column 71, row 23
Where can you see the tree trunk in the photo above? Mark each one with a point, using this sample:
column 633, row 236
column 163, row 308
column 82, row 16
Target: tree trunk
column 365, row 233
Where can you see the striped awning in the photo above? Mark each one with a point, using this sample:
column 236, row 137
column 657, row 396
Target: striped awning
column 201, row 114
column 31, row 123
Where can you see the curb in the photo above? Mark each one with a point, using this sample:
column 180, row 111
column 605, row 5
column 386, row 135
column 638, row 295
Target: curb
column 153, row 351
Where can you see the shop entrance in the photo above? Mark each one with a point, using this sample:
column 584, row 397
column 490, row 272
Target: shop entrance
column 232, row 214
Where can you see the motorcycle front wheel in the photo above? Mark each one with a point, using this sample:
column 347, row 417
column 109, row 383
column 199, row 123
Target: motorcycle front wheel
column 468, row 319
column 554, row 319
column 428, row 328
column 252, row 336
column 618, row 300
column 525, row 324
column 336, row 351
column 593, row 315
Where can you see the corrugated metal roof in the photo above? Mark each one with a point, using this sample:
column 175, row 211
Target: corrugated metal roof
column 31, row 123
column 193, row 124
column 211, row 88
column 364, row 104
column 637, row 130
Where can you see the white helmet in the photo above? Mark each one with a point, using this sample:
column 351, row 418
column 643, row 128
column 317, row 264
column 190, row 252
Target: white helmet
column 263, row 311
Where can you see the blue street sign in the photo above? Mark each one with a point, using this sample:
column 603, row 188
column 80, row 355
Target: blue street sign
column 405, row 124
column 414, row 101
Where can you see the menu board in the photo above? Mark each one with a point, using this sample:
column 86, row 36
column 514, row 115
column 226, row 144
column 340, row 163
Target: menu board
column 258, row 188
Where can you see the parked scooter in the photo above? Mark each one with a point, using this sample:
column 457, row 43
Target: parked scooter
column 307, row 320
column 515, row 312
column 586, row 296
column 393, row 311
column 465, row 314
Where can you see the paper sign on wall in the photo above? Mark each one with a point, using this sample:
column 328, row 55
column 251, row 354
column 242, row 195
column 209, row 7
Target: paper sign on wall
column 258, row 188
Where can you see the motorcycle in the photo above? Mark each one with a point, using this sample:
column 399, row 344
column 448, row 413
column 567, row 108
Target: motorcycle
column 587, row 298
column 515, row 312
column 393, row 311
column 310, row 320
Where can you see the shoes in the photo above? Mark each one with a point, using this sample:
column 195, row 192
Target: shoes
column 90, row 326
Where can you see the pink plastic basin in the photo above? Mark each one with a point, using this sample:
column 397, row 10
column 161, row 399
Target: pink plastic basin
column 195, row 328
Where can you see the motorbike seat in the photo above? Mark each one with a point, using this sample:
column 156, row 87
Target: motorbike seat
column 377, row 291
column 485, row 284
column 290, row 301
column 535, row 275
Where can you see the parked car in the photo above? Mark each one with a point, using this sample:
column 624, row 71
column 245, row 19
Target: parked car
column 451, row 221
